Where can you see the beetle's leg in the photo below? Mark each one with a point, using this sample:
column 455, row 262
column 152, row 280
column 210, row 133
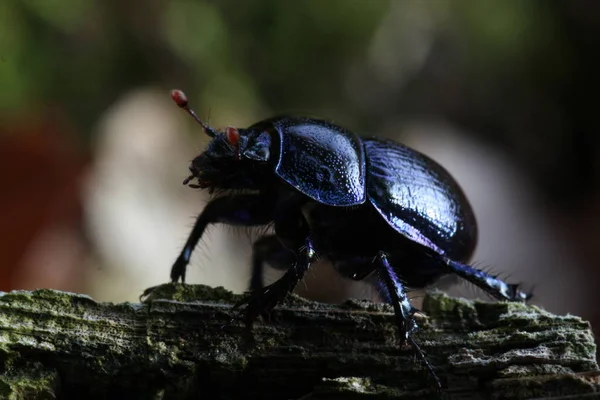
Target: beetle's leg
column 245, row 210
column 403, row 310
column 268, row 249
column 492, row 285
column 292, row 230
column 261, row 302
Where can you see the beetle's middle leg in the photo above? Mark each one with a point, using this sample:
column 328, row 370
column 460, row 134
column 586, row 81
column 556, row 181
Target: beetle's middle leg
column 403, row 310
column 268, row 249
column 262, row 301
column 293, row 232
column 489, row 283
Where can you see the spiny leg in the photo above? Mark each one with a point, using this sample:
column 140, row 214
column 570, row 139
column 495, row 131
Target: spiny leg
column 244, row 210
column 262, row 301
column 489, row 283
column 403, row 310
column 268, row 249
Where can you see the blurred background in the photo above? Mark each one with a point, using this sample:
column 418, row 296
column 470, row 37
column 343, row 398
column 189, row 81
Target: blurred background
column 503, row 93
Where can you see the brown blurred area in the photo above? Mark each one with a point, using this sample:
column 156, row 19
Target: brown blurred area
column 92, row 151
column 41, row 208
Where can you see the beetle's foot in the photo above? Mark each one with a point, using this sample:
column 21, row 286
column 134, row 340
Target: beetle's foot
column 178, row 269
column 262, row 301
column 516, row 295
column 408, row 329
column 421, row 356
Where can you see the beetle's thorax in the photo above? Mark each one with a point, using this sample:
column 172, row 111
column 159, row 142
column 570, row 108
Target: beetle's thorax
column 234, row 159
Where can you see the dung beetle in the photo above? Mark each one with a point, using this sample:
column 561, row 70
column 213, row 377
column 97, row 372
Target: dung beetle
column 366, row 204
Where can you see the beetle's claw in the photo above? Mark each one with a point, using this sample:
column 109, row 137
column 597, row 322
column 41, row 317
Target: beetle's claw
column 517, row 295
column 178, row 270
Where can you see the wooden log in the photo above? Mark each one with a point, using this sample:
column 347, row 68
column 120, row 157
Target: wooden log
column 186, row 342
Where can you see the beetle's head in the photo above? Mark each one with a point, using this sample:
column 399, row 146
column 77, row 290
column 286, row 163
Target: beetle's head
column 235, row 158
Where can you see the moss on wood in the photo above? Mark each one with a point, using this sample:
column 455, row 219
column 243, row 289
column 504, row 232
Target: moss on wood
column 186, row 342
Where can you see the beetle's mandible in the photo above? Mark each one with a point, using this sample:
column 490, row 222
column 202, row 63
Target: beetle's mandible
column 365, row 204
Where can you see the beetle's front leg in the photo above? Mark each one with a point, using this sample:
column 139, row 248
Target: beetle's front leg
column 403, row 310
column 244, row 210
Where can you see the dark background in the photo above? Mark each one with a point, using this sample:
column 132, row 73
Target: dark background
column 503, row 93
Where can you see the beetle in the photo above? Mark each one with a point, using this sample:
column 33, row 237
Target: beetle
column 366, row 204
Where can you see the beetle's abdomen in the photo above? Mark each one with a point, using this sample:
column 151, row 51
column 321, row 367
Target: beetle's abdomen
column 419, row 199
column 321, row 160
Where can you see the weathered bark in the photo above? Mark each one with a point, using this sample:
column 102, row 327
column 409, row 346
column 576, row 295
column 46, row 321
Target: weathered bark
column 186, row 342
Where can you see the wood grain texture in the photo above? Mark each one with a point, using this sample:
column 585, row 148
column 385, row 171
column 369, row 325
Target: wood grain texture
column 186, row 342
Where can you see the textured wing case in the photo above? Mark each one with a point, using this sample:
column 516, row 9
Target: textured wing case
column 321, row 160
column 419, row 198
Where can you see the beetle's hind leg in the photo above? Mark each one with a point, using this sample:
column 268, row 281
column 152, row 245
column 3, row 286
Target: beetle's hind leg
column 403, row 310
column 268, row 249
column 489, row 283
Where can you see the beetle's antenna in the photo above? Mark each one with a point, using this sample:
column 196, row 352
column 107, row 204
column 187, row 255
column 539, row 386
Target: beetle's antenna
column 181, row 100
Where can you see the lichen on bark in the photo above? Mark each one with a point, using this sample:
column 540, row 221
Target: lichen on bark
column 186, row 341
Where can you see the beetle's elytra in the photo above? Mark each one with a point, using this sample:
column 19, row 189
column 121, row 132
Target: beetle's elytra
column 365, row 204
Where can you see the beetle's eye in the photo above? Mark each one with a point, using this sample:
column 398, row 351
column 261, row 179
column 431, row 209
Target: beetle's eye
column 233, row 136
